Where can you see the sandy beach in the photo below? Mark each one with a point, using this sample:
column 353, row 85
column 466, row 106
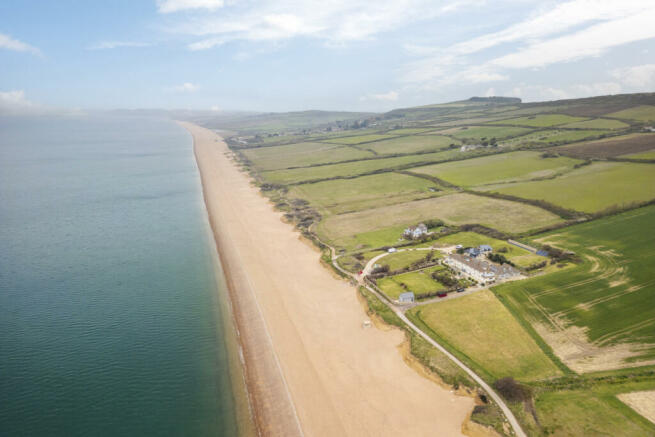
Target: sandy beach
column 310, row 366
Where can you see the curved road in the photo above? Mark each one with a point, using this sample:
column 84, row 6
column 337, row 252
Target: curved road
column 491, row 392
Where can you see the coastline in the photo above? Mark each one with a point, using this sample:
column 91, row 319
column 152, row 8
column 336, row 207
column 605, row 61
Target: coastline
column 309, row 366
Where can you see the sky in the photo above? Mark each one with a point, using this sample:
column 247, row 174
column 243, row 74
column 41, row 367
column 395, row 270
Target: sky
column 283, row 55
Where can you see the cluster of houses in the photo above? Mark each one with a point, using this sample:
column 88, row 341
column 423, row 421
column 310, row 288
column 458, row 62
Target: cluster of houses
column 478, row 269
column 415, row 232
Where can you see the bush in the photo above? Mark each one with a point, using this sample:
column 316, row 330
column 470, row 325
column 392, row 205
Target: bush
column 512, row 390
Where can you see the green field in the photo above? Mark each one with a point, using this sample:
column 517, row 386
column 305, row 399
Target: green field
column 570, row 136
column 506, row 167
column 591, row 188
column 411, row 144
column 488, row 132
column 405, row 258
column 645, row 155
column 454, row 209
column 353, row 263
column 350, row 168
column 481, row 328
column 544, row 120
column 589, row 413
column 598, row 123
column 343, row 195
column 420, row 283
column 359, row 139
column 301, row 154
column 638, row 113
column 518, row 256
column 600, row 314
column 409, row 130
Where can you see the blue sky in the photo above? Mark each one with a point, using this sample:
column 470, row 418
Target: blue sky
column 278, row 55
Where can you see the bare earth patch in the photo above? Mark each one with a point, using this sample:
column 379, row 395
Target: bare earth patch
column 572, row 346
column 643, row 402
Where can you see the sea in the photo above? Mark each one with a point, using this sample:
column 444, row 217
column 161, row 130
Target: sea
column 110, row 303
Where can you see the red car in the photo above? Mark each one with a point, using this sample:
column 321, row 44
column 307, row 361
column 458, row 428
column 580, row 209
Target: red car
column 442, row 294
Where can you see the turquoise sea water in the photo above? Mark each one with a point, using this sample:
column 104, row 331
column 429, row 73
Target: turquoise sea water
column 108, row 310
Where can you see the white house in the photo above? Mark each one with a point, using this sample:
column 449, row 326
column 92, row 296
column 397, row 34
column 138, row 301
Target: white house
column 415, row 232
column 483, row 272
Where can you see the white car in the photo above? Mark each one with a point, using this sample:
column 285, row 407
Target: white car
column 459, row 246
column 391, row 250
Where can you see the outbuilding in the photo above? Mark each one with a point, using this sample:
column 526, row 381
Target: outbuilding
column 407, row 297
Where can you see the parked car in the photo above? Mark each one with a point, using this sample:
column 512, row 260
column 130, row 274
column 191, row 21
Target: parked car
column 442, row 294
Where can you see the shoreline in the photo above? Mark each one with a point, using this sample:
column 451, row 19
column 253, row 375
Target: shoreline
column 310, row 367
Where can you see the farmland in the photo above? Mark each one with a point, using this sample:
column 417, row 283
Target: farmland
column 358, row 139
column 597, row 187
column 342, row 195
column 301, row 154
column 488, row 132
column 579, row 328
column 544, row 120
column 498, row 168
column 480, row 328
column 609, row 147
column 411, row 144
column 351, row 168
column 454, row 209
column 597, row 315
column 639, row 113
column 598, row 123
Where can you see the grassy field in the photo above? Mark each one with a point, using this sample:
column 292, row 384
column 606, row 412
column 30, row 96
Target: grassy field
column 518, row 256
column 411, row 144
column 591, row 188
column 645, row 155
column 409, row 130
column 359, row 139
column 484, row 331
column 598, row 123
column 488, row 132
column 350, row 168
column 598, row 315
column 514, row 166
column 584, row 413
column 419, row 282
column 343, row 195
column 405, row 258
column 569, row 136
column 454, row 209
column 610, row 147
column 301, row 154
column 638, row 113
column 544, row 120
column 355, row 262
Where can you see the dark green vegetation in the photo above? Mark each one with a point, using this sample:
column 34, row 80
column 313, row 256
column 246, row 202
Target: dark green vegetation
column 573, row 177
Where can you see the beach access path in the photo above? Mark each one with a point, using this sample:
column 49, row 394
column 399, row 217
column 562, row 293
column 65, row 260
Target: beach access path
column 311, row 366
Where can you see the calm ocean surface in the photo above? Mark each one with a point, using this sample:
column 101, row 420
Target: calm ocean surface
column 108, row 312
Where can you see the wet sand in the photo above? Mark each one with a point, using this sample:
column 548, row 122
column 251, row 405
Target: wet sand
column 310, row 366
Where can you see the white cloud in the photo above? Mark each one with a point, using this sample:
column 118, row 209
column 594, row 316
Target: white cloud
column 550, row 20
column 117, row 44
column 535, row 93
column 391, row 96
column 565, row 32
column 591, row 41
column 168, row 6
column 215, row 108
column 15, row 103
column 7, row 42
column 334, row 22
column 186, row 87
column 639, row 77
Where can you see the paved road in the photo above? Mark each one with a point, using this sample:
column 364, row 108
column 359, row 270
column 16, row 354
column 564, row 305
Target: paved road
column 399, row 312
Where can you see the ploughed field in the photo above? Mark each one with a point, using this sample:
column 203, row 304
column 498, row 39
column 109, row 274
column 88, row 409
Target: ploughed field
column 580, row 330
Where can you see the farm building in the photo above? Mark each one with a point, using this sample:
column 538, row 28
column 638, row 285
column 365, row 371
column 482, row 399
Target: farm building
column 414, row 232
column 484, row 248
column 481, row 271
column 407, row 297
